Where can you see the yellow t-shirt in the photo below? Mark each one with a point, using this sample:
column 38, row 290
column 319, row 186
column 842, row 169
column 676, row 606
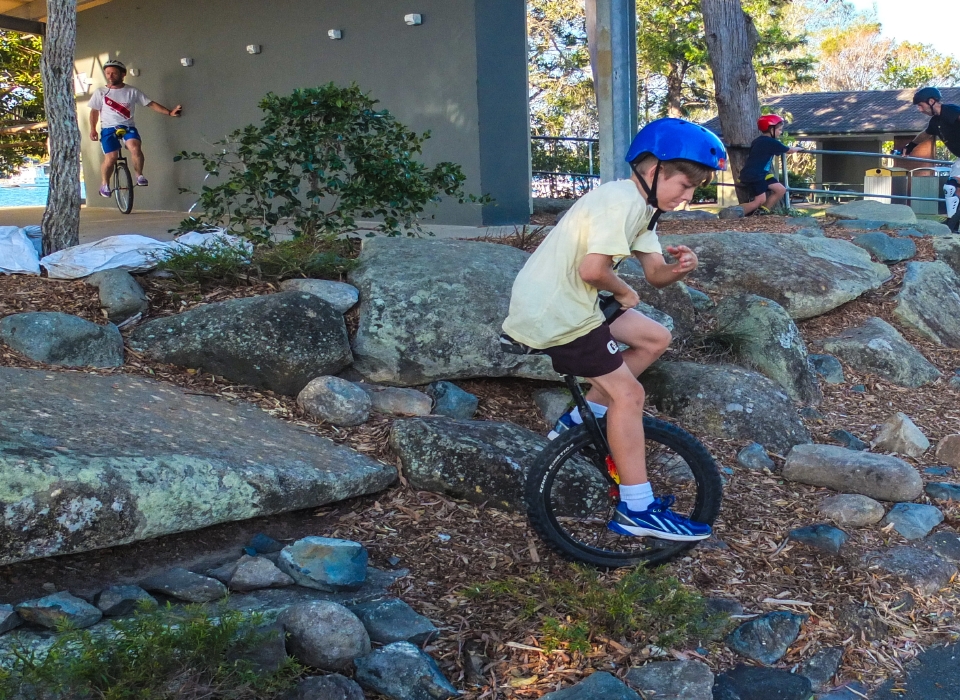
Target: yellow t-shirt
column 550, row 304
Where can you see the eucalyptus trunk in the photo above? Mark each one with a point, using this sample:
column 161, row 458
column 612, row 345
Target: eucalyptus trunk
column 731, row 41
column 61, row 218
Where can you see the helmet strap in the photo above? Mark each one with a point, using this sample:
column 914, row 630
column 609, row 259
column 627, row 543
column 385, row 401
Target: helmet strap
column 651, row 192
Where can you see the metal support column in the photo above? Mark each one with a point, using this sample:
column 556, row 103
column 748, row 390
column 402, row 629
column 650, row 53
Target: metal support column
column 612, row 32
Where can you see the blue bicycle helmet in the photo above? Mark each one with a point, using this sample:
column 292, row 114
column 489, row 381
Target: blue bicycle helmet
column 677, row 139
column 674, row 139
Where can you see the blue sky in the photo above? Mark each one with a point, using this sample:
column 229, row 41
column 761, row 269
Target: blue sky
column 934, row 22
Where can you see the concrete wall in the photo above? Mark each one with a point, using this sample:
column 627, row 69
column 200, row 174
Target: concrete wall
column 847, row 169
column 462, row 75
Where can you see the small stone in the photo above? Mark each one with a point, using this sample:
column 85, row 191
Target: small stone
column 851, row 509
column 8, row 618
column 332, row 687
column 899, row 434
column 883, row 477
column 122, row 600
column 61, row 608
column 397, row 401
column 863, row 621
column 339, row 295
column 828, row 367
column 324, row 635
column 264, row 544
column 913, row 520
column 766, row 638
column 253, row 573
column 859, row 389
column 823, row 537
column 948, row 450
column 884, row 248
column 325, row 564
column 943, row 491
column 552, row 403
column 49, row 587
column 849, row 440
column 597, row 686
column 452, row 401
column 822, row 666
column 185, row 585
column 121, row 296
column 938, row 471
column 335, row 401
column 735, row 212
column 392, row 620
column 756, row 683
column 393, row 561
column 915, row 567
column 672, row 680
column 945, row 545
column 226, row 571
column 402, row 672
column 61, row 339
column 700, row 300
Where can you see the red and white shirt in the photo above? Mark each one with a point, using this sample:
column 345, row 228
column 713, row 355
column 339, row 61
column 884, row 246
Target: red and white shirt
column 117, row 105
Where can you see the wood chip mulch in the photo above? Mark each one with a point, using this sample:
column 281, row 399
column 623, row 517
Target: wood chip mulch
column 449, row 546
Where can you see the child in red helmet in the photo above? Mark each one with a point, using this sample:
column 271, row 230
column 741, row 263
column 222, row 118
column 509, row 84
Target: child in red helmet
column 765, row 190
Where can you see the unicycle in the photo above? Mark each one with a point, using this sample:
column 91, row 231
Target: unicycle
column 122, row 180
column 571, row 491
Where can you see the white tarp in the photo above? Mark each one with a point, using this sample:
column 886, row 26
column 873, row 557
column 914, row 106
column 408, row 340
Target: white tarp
column 18, row 256
column 127, row 252
column 213, row 239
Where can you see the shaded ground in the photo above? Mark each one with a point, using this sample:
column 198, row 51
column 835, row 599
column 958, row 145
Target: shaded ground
column 934, row 676
column 755, row 564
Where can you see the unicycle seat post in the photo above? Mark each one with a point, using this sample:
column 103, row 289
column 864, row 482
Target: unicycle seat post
column 586, row 413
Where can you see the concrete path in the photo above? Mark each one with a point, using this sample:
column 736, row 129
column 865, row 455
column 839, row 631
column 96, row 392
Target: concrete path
column 101, row 222
column 935, row 675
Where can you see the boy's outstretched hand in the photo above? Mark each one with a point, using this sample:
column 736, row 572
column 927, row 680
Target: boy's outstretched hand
column 686, row 259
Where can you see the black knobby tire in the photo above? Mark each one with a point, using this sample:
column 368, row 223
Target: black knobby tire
column 123, row 189
column 567, row 477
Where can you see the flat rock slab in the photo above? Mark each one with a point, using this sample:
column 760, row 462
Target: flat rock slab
column 754, row 683
column 185, row 585
column 914, row 520
column 672, row 680
column 806, row 276
column 766, row 638
column 89, row 462
column 934, row 675
column 886, row 248
column 874, row 211
column 877, row 347
column 392, row 620
column 598, row 686
column 61, row 339
column 57, row 609
column 432, row 309
column 851, row 509
column 402, row 672
column 929, row 302
column 878, row 476
column 916, row 567
column 726, row 402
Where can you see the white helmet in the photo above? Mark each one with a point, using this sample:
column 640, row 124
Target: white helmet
column 114, row 63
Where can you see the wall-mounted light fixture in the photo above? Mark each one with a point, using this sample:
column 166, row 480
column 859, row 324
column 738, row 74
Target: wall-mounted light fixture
column 253, row 49
column 334, row 34
column 186, row 62
column 413, row 20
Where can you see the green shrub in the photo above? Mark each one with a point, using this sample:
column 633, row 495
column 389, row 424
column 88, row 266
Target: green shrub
column 320, row 159
column 158, row 654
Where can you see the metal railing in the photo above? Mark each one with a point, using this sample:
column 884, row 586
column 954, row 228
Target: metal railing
column 560, row 181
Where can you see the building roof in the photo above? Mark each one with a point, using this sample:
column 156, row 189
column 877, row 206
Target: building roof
column 869, row 112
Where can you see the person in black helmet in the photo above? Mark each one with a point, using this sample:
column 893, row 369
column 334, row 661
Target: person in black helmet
column 945, row 124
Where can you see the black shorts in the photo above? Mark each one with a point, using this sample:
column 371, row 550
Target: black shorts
column 592, row 355
column 760, row 187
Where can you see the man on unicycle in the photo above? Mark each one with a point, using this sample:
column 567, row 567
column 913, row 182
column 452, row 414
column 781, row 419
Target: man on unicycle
column 113, row 107
column 555, row 304
column 945, row 124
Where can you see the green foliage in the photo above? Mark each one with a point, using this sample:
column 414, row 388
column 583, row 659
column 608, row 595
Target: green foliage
column 224, row 265
column 643, row 606
column 21, row 101
column 158, row 654
column 320, row 159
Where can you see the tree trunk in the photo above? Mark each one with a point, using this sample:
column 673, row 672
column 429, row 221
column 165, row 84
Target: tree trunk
column 675, row 92
column 731, row 41
column 61, row 218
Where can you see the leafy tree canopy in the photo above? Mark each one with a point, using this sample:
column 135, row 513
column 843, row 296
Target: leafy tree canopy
column 23, row 132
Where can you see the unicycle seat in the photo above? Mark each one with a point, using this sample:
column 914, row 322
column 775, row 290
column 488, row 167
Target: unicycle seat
column 515, row 347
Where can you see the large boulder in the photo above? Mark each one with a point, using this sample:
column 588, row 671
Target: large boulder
column 806, row 276
column 726, row 402
column 673, row 300
column 61, row 339
column 878, row 347
column 769, row 341
column 870, row 210
column 278, row 341
column 929, row 302
column 112, row 460
column 882, row 477
column 479, row 461
column 947, row 249
column 432, row 309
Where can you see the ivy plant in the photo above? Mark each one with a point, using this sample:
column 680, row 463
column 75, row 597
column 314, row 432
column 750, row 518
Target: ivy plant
column 320, row 160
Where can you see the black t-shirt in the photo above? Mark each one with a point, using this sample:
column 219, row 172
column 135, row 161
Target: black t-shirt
column 946, row 125
column 762, row 151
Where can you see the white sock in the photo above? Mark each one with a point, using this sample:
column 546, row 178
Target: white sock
column 598, row 410
column 637, row 496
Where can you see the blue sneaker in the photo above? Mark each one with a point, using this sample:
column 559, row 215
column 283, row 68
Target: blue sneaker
column 564, row 423
column 658, row 521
